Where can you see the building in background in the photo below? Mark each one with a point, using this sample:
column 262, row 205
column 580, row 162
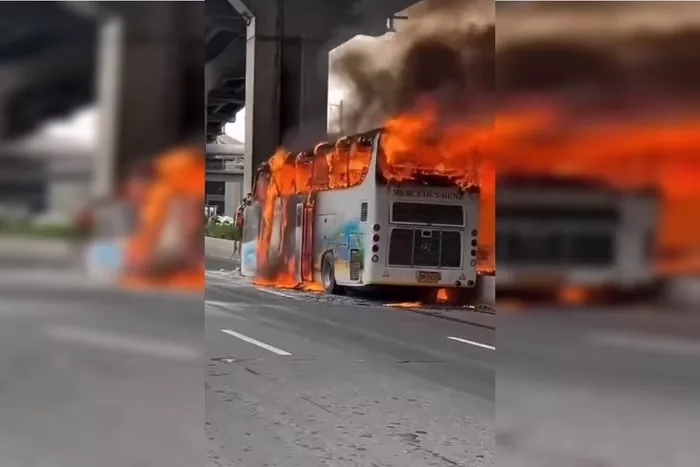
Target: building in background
column 224, row 178
column 44, row 177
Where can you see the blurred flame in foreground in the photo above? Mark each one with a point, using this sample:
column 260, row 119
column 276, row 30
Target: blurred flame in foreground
column 626, row 154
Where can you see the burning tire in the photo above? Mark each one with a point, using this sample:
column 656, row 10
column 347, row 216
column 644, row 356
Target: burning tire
column 328, row 277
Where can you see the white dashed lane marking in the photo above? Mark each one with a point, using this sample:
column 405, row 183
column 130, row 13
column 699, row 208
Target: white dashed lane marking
column 123, row 342
column 476, row 344
column 250, row 340
column 649, row 343
column 274, row 292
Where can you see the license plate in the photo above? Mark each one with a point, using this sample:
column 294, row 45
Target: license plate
column 428, row 277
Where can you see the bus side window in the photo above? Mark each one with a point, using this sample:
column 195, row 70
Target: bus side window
column 321, row 174
column 341, row 162
column 261, row 181
column 358, row 164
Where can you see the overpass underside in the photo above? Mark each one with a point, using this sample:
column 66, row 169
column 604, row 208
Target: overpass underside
column 287, row 50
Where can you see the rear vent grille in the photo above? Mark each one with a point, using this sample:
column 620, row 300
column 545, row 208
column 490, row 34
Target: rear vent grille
column 363, row 212
column 425, row 248
column 355, row 265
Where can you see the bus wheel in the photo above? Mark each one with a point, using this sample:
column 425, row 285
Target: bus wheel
column 328, row 277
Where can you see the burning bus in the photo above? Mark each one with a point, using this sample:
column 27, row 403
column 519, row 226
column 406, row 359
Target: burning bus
column 339, row 217
column 558, row 233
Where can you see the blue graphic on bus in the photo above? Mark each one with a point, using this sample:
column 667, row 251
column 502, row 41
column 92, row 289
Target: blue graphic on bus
column 249, row 257
column 347, row 237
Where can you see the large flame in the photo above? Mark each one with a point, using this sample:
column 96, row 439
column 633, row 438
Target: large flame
column 416, row 143
column 541, row 139
column 626, row 154
column 427, row 141
column 342, row 165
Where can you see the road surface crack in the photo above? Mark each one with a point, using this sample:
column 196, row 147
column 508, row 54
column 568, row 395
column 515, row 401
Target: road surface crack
column 320, row 406
column 421, row 361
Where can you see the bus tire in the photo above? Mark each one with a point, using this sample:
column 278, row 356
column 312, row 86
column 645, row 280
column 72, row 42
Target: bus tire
column 328, row 277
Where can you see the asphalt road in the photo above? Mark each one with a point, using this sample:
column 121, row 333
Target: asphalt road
column 297, row 382
column 598, row 388
column 593, row 387
column 91, row 377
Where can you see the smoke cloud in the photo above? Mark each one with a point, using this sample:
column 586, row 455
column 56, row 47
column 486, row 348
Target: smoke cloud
column 445, row 50
column 632, row 53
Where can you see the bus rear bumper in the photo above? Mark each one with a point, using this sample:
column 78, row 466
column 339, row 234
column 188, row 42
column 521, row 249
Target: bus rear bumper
column 414, row 277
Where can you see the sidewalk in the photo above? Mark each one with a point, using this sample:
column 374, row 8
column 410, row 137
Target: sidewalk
column 33, row 252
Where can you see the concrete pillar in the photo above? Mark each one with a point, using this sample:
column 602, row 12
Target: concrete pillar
column 141, row 81
column 110, row 52
column 286, row 83
column 147, row 117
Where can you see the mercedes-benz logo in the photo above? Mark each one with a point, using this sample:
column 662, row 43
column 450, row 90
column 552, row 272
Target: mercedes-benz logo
column 425, row 247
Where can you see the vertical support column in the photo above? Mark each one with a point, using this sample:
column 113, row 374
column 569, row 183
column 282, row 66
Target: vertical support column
column 110, row 50
column 286, row 84
column 151, row 91
column 314, row 89
column 139, row 88
column 263, row 100
column 304, row 92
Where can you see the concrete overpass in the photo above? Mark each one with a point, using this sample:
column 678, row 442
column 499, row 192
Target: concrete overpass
column 47, row 62
column 272, row 57
column 49, row 67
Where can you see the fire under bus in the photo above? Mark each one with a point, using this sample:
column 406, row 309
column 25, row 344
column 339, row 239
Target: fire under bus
column 360, row 229
column 562, row 233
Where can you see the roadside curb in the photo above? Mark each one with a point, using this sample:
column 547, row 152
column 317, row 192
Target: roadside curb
column 220, row 248
column 40, row 249
column 13, row 280
column 37, row 283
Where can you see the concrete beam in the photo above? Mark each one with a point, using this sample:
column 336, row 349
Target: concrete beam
column 368, row 17
column 242, row 10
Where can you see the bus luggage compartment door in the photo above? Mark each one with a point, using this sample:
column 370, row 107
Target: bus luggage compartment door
column 307, row 248
column 298, row 241
column 249, row 240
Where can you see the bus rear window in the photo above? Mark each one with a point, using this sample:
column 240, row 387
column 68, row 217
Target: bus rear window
column 430, row 214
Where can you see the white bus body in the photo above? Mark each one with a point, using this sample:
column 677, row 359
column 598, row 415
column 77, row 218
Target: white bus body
column 572, row 233
column 374, row 233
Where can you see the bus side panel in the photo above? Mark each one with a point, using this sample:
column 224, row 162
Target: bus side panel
column 249, row 242
column 323, row 238
column 635, row 239
column 308, row 241
column 341, row 230
column 470, row 258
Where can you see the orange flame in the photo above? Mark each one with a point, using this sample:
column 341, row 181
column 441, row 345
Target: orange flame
column 423, row 141
column 404, row 305
column 412, row 143
column 661, row 154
